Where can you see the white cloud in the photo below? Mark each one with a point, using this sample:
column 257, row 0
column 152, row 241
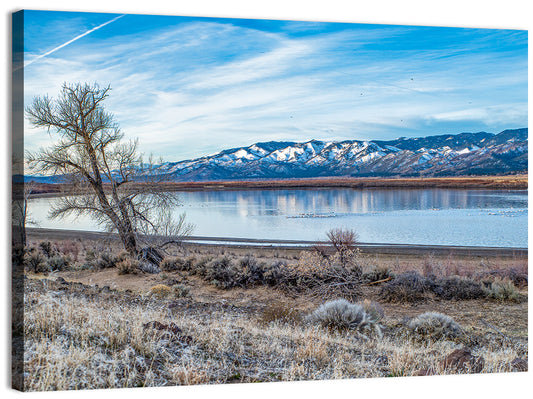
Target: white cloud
column 197, row 88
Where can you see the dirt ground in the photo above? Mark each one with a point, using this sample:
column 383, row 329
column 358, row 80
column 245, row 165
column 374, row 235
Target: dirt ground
column 507, row 318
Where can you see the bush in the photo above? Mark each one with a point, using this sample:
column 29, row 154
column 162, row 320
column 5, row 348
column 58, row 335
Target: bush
column 317, row 276
column 343, row 315
column 161, row 291
column 221, row 272
column 128, row 266
column 374, row 309
column 181, row 291
column 90, row 255
column 276, row 274
column 171, row 263
column 251, row 272
column 344, row 242
column 107, row 260
column 70, row 248
column 224, row 273
column 376, row 274
column 176, row 263
column 406, row 287
column 435, row 326
column 455, row 287
column 58, row 263
column 47, row 249
column 503, row 290
column 517, row 275
column 35, row 262
column 199, row 267
column 279, row 312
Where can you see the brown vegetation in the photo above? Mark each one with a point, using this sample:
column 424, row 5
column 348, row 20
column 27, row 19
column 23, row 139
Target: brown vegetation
column 220, row 315
column 510, row 182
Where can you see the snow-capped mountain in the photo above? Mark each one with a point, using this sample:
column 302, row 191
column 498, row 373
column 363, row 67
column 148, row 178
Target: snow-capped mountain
column 445, row 155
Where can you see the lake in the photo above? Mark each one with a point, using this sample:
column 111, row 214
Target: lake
column 412, row 216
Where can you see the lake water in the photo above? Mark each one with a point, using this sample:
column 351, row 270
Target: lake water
column 426, row 216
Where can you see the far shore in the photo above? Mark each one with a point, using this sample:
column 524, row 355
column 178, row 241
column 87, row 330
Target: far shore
column 506, row 182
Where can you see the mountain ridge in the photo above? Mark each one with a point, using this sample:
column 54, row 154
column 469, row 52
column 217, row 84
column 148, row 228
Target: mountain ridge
column 430, row 156
column 461, row 154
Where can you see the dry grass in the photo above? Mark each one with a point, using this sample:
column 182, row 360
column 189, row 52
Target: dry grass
column 518, row 181
column 79, row 337
column 177, row 328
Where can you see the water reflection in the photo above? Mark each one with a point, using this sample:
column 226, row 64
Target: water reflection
column 344, row 201
column 431, row 216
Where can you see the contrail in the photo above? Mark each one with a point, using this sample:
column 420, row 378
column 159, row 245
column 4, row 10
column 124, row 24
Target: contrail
column 70, row 41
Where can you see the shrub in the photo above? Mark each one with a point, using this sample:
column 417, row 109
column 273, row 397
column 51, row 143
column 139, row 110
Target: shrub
column 161, row 290
column 455, row 287
column 224, row 273
column 181, row 291
column 374, row 309
column 435, row 326
column 341, row 314
column 170, row 263
column 107, row 260
column 319, row 277
column 503, row 290
column 35, row 262
column 342, row 240
column 221, row 272
column 517, row 275
column 58, row 263
column 251, row 272
column 70, row 248
column 128, row 266
column 376, row 274
column 406, row 287
column 276, row 274
column 90, row 255
column 47, row 249
column 175, row 263
column 200, row 266
column 279, row 312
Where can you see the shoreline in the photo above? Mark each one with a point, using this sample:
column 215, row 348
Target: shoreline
column 297, row 245
column 505, row 182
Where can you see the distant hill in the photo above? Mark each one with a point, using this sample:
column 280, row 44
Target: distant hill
column 444, row 155
column 461, row 154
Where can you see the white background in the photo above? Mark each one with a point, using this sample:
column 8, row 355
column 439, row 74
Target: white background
column 508, row 14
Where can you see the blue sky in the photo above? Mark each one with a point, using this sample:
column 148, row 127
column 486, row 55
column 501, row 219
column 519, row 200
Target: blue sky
column 187, row 87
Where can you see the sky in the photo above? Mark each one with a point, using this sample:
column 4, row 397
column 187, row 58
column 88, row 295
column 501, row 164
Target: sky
column 187, row 87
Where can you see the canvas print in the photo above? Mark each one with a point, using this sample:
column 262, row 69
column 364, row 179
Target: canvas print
column 219, row 200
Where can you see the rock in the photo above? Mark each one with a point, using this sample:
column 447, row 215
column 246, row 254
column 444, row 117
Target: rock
column 462, row 360
column 519, row 364
column 61, row 280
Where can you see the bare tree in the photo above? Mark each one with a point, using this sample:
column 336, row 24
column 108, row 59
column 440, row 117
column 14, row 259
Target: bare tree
column 344, row 241
column 105, row 176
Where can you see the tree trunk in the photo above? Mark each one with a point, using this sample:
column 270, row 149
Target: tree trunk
column 128, row 240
